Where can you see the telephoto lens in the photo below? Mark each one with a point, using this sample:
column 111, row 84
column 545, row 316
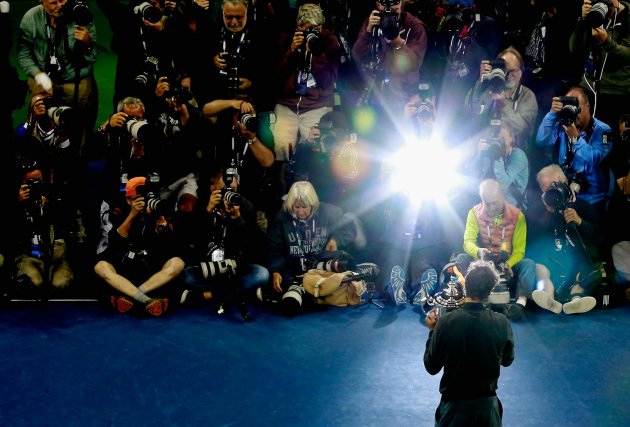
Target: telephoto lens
column 292, row 299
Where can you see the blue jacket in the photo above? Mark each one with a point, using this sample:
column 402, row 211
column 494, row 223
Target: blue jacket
column 592, row 146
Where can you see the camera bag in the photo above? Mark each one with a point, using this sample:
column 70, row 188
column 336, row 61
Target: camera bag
column 331, row 288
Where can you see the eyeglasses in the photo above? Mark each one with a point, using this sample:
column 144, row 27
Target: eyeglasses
column 515, row 70
column 239, row 18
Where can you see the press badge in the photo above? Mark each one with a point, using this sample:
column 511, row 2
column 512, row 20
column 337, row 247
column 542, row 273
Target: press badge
column 311, row 81
column 605, row 139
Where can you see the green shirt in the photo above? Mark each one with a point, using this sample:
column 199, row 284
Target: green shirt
column 33, row 47
column 519, row 237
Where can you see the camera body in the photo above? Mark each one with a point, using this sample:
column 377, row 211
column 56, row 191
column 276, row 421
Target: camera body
column 557, row 196
column 233, row 61
column 599, row 11
column 389, row 19
column 570, row 110
column 496, row 147
column 231, row 197
column 148, row 12
column 494, row 81
column 151, row 193
column 312, row 40
column 36, row 187
column 577, row 180
column 147, row 79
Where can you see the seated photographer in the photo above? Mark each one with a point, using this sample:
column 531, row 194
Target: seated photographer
column 399, row 41
column 499, row 88
column 141, row 259
column 228, row 248
column 564, row 236
column 498, row 158
column 244, row 150
column 583, row 141
column 471, row 372
column 307, row 71
column 301, row 231
column 496, row 231
column 41, row 247
column 619, row 207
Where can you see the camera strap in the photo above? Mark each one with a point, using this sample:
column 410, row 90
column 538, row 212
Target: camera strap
column 239, row 44
column 53, row 58
column 235, row 156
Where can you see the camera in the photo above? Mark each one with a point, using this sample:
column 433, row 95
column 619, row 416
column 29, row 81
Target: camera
column 425, row 110
column 500, row 293
column 60, row 115
column 151, row 193
column 312, row 40
column 577, row 180
column 232, row 62
column 496, row 148
column 148, row 12
column 599, row 11
column 177, row 92
column 494, row 81
column 389, row 19
column 292, row 299
column 36, row 187
column 570, row 110
column 231, row 197
column 249, row 120
column 557, row 196
column 79, row 11
column 137, row 129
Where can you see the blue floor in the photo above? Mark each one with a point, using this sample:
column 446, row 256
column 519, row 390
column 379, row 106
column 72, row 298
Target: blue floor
column 78, row 364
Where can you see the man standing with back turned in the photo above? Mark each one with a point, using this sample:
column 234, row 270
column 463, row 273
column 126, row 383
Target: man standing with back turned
column 470, row 343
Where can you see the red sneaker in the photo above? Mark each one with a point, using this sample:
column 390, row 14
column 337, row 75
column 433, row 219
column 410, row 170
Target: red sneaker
column 121, row 304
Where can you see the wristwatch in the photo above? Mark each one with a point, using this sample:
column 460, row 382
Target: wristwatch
column 251, row 141
column 573, row 139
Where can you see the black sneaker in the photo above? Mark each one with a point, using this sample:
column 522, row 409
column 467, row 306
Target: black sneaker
column 515, row 312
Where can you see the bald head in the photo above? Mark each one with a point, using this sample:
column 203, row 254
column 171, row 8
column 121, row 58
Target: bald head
column 492, row 196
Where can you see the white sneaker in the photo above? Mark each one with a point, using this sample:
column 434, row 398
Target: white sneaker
column 543, row 300
column 579, row 305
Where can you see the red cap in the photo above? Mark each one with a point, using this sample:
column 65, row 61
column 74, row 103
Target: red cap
column 132, row 185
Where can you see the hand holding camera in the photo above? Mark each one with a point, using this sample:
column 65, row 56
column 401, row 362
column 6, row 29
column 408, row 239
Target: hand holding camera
column 431, row 318
column 162, row 87
column 220, row 60
column 298, row 41
column 81, row 34
column 374, row 21
column 571, row 215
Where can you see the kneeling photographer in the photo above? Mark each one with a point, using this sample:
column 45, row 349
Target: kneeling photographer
column 579, row 142
column 565, row 236
column 243, row 148
column 498, row 158
column 142, row 254
column 225, row 261
column 41, row 264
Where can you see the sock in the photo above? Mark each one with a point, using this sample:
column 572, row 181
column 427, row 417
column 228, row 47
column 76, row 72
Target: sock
column 522, row 301
column 141, row 297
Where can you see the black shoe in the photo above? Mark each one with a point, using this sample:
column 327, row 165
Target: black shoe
column 515, row 312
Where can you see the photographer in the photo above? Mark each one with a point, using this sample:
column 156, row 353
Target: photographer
column 471, row 372
column 496, row 230
column 564, row 238
column 600, row 40
column 47, row 137
column 41, row 247
column 141, row 257
column 144, row 48
column 420, row 110
column 228, row 247
column 301, row 231
column 619, row 207
column 329, row 158
column 499, row 93
column 240, row 147
column 391, row 46
column 307, row 71
column 498, row 158
column 56, row 51
column 584, row 142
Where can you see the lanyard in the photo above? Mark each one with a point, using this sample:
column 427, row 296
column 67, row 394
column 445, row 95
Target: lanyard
column 490, row 234
column 238, row 46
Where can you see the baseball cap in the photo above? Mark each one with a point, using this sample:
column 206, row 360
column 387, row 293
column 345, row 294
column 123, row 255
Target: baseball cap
column 131, row 189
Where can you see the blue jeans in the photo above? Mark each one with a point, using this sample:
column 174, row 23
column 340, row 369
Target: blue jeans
column 252, row 276
column 525, row 276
